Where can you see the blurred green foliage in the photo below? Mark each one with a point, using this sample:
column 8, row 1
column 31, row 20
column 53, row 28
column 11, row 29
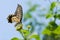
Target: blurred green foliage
column 58, row 16
column 49, row 15
column 52, row 6
column 52, row 26
column 35, row 36
column 51, row 31
column 28, row 15
column 14, row 38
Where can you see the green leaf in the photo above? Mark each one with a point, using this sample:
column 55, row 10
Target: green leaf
column 35, row 36
column 33, row 8
column 57, row 31
column 49, row 15
column 46, row 31
column 25, row 32
column 58, row 16
column 27, row 16
column 53, row 4
column 14, row 38
column 52, row 26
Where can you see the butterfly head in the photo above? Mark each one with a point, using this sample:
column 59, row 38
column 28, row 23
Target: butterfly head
column 9, row 18
column 12, row 18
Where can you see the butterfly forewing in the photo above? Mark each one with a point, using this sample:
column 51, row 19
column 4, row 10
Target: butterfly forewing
column 19, row 12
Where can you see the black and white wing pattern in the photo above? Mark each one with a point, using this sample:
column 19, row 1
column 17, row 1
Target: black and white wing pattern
column 19, row 13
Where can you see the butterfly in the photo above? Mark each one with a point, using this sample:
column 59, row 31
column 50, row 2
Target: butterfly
column 17, row 16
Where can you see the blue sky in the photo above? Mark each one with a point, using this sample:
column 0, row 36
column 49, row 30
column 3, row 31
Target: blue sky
column 7, row 30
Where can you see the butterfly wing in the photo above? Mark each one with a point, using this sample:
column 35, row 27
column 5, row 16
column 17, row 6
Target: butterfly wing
column 19, row 13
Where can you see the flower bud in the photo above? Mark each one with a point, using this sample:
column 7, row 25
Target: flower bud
column 29, row 26
column 19, row 27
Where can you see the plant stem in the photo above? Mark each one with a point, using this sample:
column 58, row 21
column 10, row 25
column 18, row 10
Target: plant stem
column 23, row 35
column 56, row 12
column 25, row 38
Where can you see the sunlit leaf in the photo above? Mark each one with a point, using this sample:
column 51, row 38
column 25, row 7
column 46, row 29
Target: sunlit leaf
column 53, row 4
column 46, row 31
column 58, row 16
column 27, row 16
column 52, row 26
column 49, row 15
column 57, row 31
column 35, row 36
column 14, row 38
column 25, row 32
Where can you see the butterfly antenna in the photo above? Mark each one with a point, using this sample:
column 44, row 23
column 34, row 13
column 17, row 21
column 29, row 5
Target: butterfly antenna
column 19, row 5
